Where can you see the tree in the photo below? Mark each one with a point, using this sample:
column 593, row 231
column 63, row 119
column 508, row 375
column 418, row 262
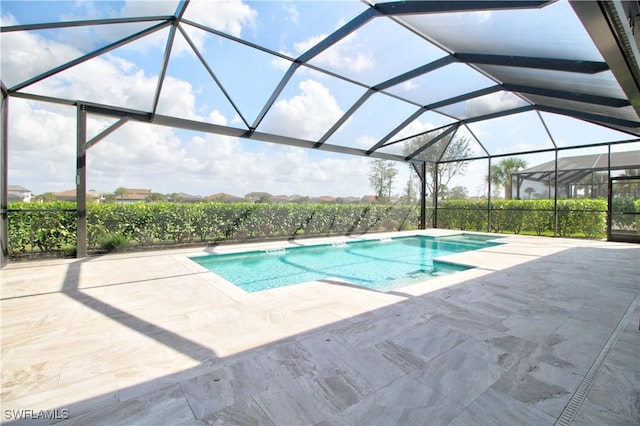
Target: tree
column 155, row 197
column 457, row 193
column 48, row 196
column 410, row 190
column 381, row 177
column 501, row 174
column 529, row 191
column 442, row 150
column 120, row 193
column 264, row 198
column 175, row 197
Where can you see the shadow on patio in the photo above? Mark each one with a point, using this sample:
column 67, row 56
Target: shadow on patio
column 512, row 346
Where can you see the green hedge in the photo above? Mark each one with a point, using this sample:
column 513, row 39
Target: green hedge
column 625, row 204
column 46, row 227
column 50, row 227
column 582, row 217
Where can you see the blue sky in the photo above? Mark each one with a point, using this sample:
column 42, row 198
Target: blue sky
column 42, row 136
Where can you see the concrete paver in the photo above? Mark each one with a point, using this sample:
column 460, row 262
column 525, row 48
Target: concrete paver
column 153, row 338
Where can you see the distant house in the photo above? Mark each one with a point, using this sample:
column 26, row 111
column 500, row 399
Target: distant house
column 181, row 197
column 323, row 199
column 258, row 197
column 351, row 200
column 221, row 197
column 18, row 193
column 96, row 196
column 280, row 199
column 369, row 199
column 70, row 195
column 295, row 198
column 132, row 195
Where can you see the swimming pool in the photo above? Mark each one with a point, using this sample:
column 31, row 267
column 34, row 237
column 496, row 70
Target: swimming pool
column 382, row 265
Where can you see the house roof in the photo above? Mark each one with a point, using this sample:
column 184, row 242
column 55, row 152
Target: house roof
column 188, row 197
column 70, row 194
column 137, row 191
column 223, row 196
column 573, row 169
column 325, row 198
column 137, row 194
column 17, row 188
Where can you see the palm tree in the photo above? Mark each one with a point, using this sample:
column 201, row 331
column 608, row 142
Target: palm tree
column 529, row 191
column 120, row 193
column 501, row 173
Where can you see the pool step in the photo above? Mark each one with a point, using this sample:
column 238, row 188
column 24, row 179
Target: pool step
column 276, row 251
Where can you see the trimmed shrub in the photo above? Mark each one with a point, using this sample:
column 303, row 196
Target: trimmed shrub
column 51, row 227
column 44, row 227
column 114, row 243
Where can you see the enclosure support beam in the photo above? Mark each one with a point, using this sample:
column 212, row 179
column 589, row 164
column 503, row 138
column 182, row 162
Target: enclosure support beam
column 81, row 181
column 555, row 196
column 423, row 195
column 489, row 196
column 436, row 188
column 609, row 194
column 4, row 175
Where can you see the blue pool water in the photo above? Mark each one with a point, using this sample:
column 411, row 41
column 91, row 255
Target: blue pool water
column 381, row 265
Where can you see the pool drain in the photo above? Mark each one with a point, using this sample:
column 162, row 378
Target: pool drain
column 571, row 409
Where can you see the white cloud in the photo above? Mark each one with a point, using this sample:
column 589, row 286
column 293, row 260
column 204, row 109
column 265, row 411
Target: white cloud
column 42, row 136
column 346, row 55
column 414, row 128
column 280, row 63
column 8, row 20
column 307, row 115
column 365, row 141
column 107, row 79
column 307, row 44
column 145, row 8
column 26, row 55
column 292, row 13
column 42, row 158
column 216, row 117
column 178, row 99
column 409, row 86
column 499, row 101
column 42, row 147
column 230, row 16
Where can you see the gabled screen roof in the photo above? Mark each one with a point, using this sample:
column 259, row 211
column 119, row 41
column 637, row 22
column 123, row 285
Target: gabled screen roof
column 345, row 76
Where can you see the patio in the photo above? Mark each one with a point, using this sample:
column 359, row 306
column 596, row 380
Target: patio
column 543, row 331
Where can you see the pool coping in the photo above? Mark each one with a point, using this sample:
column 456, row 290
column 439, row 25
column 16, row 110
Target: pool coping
column 480, row 264
column 287, row 247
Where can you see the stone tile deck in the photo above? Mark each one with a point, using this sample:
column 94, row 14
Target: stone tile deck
column 153, row 338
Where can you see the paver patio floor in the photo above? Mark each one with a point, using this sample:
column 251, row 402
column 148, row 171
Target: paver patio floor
column 543, row 330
